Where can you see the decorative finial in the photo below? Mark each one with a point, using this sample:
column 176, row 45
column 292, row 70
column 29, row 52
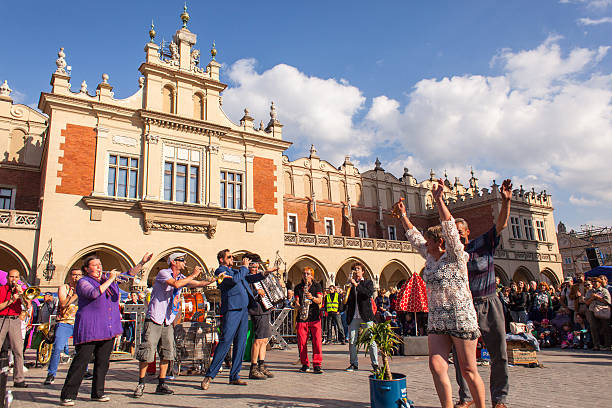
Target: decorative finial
column 141, row 82
column 261, row 125
column 246, row 112
column 152, row 32
column 105, row 78
column 213, row 51
column 445, row 175
column 313, row 151
column 272, row 111
column 472, row 171
column 185, row 16
column 5, row 90
column 83, row 87
column 377, row 165
column 406, row 173
column 347, row 159
column 61, row 62
column 432, row 175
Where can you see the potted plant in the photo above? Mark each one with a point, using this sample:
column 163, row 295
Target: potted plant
column 387, row 389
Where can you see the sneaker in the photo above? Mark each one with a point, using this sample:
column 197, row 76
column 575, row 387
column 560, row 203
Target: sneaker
column 317, row 370
column 50, row 379
column 67, row 402
column 103, row 398
column 139, row 390
column 170, row 377
column 163, row 389
column 88, row 375
column 255, row 374
column 305, row 369
column 264, row 370
column 21, row 384
column 352, row 368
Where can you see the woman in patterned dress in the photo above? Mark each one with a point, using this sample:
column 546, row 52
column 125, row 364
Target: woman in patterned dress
column 452, row 318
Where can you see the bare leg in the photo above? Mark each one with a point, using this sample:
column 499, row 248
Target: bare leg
column 142, row 369
column 163, row 368
column 439, row 348
column 466, row 352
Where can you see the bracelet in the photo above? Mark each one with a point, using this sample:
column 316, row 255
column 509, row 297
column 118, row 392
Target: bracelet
column 404, row 215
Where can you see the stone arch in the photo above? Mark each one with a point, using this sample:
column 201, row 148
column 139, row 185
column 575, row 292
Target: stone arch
column 548, row 276
column 294, row 274
column 307, row 187
column 111, row 257
column 11, row 258
column 393, row 272
column 168, row 99
column 161, row 262
column 358, row 195
column 503, row 276
column 198, row 106
column 522, row 273
column 343, row 273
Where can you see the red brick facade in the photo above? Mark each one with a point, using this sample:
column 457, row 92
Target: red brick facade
column 27, row 186
column 264, row 188
column 77, row 174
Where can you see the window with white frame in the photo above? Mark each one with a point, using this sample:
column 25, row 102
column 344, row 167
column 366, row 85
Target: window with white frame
column 292, row 223
column 392, row 233
column 182, row 181
column 515, row 225
column 231, row 190
column 363, row 229
column 329, row 226
column 7, row 198
column 122, row 176
column 528, row 229
column 540, row 231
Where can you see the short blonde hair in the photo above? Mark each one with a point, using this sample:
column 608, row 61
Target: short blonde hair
column 435, row 233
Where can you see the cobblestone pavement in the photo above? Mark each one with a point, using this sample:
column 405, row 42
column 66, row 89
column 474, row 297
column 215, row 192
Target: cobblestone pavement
column 567, row 379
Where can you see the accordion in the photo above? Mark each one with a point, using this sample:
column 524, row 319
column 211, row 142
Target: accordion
column 274, row 292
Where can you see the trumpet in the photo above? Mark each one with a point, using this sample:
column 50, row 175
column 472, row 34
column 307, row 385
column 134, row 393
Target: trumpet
column 123, row 277
column 30, row 293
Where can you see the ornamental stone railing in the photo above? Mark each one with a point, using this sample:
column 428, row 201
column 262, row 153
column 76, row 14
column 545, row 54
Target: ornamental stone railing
column 334, row 241
column 19, row 219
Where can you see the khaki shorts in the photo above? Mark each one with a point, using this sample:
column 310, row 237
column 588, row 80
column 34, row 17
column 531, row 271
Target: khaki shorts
column 156, row 337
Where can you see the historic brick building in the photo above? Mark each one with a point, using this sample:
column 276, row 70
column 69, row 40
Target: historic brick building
column 165, row 170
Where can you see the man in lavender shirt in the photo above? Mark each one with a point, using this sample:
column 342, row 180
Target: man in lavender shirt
column 162, row 310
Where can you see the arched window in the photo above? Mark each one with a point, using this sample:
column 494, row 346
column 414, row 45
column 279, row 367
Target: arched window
column 168, row 99
column 359, row 194
column 342, row 191
column 198, row 106
column 288, row 183
column 389, row 198
column 325, row 189
column 307, row 187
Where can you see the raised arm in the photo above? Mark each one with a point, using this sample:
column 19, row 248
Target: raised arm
column 138, row 267
column 504, row 213
column 412, row 234
column 438, row 194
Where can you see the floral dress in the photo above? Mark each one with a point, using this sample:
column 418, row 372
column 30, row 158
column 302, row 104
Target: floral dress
column 451, row 309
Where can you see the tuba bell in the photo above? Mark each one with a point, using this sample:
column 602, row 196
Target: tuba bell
column 31, row 293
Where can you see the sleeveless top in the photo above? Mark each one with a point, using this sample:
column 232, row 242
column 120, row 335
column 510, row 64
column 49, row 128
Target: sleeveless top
column 67, row 313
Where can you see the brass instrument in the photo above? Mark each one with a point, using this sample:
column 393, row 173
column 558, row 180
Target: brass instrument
column 30, row 293
column 347, row 289
column 305, row 303
column 123, row 277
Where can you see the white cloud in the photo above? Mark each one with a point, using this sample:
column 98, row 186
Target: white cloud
column 18, row 97
column 589, row 21
column 593, row 4
column 583, row 202
column 545, row 121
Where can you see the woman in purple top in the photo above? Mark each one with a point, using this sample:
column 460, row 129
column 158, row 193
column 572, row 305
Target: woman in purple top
column 96, row 325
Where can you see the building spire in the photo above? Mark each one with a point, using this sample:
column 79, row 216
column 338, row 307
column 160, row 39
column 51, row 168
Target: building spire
column 213, row 51
column 152, row 32
column 185, row 16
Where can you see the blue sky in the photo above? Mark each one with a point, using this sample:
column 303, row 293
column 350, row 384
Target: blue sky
column 517, row 89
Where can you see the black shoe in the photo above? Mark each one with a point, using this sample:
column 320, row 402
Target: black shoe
column 20, row 384
column 351, row 368
column 50, row 379
column 305, row 369
column 88, row 376
column 317, row 370
column 163, row 389
column 374, row 367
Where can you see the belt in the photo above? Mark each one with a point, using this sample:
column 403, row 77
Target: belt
column 150, row 320
column 9, row 316
column 482, row 299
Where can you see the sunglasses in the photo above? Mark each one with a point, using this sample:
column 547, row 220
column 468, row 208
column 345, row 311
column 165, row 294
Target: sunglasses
column 179, row 260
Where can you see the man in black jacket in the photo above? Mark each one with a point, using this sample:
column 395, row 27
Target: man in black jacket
column 359, row 313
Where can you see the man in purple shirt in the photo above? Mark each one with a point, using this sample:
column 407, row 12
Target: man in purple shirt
column 162, row 310
column 491, row 322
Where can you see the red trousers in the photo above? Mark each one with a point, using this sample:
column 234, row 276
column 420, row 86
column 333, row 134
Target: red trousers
column 302, row 338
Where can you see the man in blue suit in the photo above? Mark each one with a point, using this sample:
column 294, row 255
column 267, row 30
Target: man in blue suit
column 235, row 297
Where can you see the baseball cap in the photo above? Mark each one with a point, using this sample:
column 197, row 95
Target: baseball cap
column 175, row 255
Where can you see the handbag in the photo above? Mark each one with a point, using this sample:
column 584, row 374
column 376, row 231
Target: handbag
column 601, row 311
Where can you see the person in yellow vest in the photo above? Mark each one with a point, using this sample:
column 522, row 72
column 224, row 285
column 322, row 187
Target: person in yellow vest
column 333, row 301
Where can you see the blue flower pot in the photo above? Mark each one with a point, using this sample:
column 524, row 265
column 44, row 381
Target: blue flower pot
column 388, row 393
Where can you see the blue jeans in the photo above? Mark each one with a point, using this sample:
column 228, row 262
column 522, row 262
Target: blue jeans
column 354, row 327
column 63, row 332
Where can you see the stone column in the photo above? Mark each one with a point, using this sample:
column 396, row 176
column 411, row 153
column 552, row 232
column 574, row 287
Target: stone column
column 100, row 172
column 249, row 203
column 213, row 175
column 152, row 167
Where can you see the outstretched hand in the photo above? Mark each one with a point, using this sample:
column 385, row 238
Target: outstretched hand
column 399, row 208
column 438, row 190
column 506, row 189
column 146, row 258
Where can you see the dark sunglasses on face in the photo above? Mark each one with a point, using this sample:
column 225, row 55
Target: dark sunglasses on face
column 179, row 260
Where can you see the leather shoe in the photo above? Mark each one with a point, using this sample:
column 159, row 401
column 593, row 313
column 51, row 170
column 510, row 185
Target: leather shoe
column 238, row 382
column 464, row 404
column 205, row 383
column 20, row 384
